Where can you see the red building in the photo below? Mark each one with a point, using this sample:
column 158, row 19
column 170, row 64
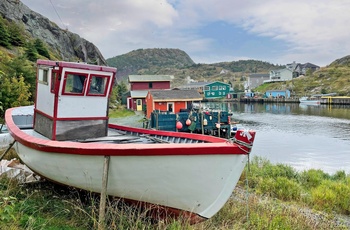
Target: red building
column 141, row 84
column 170, row 100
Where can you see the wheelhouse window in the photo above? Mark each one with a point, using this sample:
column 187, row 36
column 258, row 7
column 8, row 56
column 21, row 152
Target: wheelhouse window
column 214, row 87
column 98, row 85
column 74, row 83
column 206, row 88
column 43, row 76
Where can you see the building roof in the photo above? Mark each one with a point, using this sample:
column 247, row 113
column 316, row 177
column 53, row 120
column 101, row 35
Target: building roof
column 281, row 70
column 309, row 65
column 138, row 93
column 195, row 85
column 256, row 75
column 278, row 90
column 178, row 95
column 149, row 78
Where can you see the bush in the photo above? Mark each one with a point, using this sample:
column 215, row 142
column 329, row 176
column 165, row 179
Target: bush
column 332, row 196
column 281, row 188
column 312, row 178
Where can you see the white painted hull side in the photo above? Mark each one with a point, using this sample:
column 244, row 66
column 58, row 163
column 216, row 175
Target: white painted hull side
column 306, row 101
column 197, row 183
column 310, row 102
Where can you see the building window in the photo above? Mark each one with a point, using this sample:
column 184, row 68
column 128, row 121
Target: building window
column 150, row 85
column 220, row 87
column 214, row 87
column 206, row 88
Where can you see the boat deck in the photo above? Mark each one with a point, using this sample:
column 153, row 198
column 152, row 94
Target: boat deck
column 126, row 137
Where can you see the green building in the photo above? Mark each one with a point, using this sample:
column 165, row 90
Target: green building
column 210, row 90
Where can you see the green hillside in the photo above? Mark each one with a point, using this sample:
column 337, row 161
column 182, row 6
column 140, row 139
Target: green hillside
column 18, row 54
column 334, row 78
column 177, row 63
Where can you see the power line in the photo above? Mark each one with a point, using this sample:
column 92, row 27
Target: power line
column 58, row 14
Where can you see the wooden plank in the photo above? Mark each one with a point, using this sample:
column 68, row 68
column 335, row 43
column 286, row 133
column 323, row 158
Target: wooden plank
column 110, row 138
column 102, row 211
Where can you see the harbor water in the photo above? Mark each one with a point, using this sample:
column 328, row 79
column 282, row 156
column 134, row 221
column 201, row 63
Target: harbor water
column 302, row 136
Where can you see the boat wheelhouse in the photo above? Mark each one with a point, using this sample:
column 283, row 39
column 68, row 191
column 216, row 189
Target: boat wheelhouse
column 72, row 100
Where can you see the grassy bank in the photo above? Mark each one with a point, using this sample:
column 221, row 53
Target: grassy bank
column 120, row 111
column 277, row 197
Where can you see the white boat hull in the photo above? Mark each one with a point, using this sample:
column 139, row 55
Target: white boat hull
column 200, row 184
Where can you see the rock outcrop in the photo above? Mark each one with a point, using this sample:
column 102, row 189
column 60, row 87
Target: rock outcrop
column 69, row 46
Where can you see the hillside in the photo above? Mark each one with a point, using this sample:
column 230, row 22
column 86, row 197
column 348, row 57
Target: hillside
column 178, row 63
column 149, row 61
column 65, row 45
column 334, row 78
column 344, row 61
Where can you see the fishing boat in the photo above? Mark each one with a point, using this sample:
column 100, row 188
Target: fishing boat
column 309, row 101
column 185, row 174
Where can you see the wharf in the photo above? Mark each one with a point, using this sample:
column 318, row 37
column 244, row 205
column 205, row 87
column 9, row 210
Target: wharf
column 269, row 100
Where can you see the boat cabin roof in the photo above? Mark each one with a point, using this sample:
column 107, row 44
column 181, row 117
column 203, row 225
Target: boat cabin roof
column 76, row 65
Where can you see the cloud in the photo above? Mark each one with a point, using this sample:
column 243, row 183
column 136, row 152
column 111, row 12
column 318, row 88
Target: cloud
column 310, row 31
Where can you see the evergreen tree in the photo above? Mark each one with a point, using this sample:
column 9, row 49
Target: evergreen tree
column 19, row 66
column 4, row 34
column 121, row 89
column 16, row 35
column 14, row 91
column 40, row 48
column 31, row 52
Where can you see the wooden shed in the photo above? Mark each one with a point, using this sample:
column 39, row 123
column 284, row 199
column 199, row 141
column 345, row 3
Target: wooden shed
column 170, row 100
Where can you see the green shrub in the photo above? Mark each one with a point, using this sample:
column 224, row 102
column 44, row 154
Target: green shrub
column 312, row 178
column 281, row 188
column 331, row 196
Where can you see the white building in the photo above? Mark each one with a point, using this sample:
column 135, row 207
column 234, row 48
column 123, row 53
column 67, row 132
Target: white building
column 280, row 75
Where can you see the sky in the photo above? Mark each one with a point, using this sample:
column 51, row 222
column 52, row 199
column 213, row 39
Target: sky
column 210, row 31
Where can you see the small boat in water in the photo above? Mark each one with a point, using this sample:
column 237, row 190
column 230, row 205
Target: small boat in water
column 310, row 100
column 185, row 174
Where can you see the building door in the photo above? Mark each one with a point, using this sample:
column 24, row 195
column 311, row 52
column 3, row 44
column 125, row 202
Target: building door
column 171, row 107
column 139, row 104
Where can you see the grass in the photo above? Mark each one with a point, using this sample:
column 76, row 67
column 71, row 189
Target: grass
column 120, row 111
column 277, row 197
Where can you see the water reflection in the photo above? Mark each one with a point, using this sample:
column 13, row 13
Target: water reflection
column 301, row 136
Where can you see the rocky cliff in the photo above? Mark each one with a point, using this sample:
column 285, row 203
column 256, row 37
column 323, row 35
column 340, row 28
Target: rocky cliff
column 69, row 46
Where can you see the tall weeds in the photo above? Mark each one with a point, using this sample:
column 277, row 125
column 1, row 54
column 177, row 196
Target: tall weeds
column 277, row 197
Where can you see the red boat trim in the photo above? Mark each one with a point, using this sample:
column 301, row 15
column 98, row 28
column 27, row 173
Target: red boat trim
column 76, row 65
column 217, row 146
